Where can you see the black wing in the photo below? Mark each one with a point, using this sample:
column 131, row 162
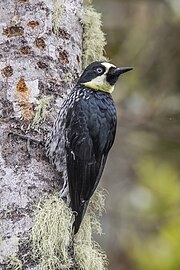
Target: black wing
column 90, row 132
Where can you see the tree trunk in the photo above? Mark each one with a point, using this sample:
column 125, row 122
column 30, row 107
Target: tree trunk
column 41, row 55
column 40, row 52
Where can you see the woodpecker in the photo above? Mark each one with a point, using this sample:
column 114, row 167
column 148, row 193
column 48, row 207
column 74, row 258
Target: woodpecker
column 83, row 134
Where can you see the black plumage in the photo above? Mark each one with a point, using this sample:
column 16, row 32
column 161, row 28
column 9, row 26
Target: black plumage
column 84, row 133
column 90, row 132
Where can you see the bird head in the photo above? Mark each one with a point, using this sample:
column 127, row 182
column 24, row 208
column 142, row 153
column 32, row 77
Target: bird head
column 102, row 76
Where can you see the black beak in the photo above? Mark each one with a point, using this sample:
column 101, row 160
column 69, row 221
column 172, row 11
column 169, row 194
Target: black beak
column 114, row 73
column 121, row 70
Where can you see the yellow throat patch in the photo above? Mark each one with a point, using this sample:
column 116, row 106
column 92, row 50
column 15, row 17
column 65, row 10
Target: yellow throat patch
column 100, row 82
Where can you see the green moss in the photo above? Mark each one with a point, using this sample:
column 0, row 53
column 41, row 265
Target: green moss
column 15, row 263
column 93, row 37
column 96, row 208
column 58, row 10
column 51, row 234
column 89, row 254
column 97, row 204
column 41, row 110
column 87, row 2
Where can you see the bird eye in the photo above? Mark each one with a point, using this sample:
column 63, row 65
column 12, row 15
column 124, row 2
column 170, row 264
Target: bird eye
column 100, row 70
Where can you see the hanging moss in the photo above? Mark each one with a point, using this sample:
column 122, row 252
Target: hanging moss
column 14, row 263
column 52, row 236
column 88, row 252
column 93, row 37
column 87, row 2
column 58, row 10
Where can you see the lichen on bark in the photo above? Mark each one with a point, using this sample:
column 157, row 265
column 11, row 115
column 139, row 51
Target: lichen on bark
column 30, row 69
column 52, row 236
column 41, row 49
column 93, row 37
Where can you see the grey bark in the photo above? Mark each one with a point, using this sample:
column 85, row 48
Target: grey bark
column 40, row 55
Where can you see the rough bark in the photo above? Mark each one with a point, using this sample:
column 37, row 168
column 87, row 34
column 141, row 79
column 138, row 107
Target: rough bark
column 40, row 55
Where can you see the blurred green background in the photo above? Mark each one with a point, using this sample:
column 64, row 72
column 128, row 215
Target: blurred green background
column 142, row 176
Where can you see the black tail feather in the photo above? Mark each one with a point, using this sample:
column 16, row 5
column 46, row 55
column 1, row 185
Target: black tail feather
column 79, row 216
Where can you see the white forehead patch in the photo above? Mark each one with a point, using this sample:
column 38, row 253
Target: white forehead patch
column 100, row 82
column 107, row 66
